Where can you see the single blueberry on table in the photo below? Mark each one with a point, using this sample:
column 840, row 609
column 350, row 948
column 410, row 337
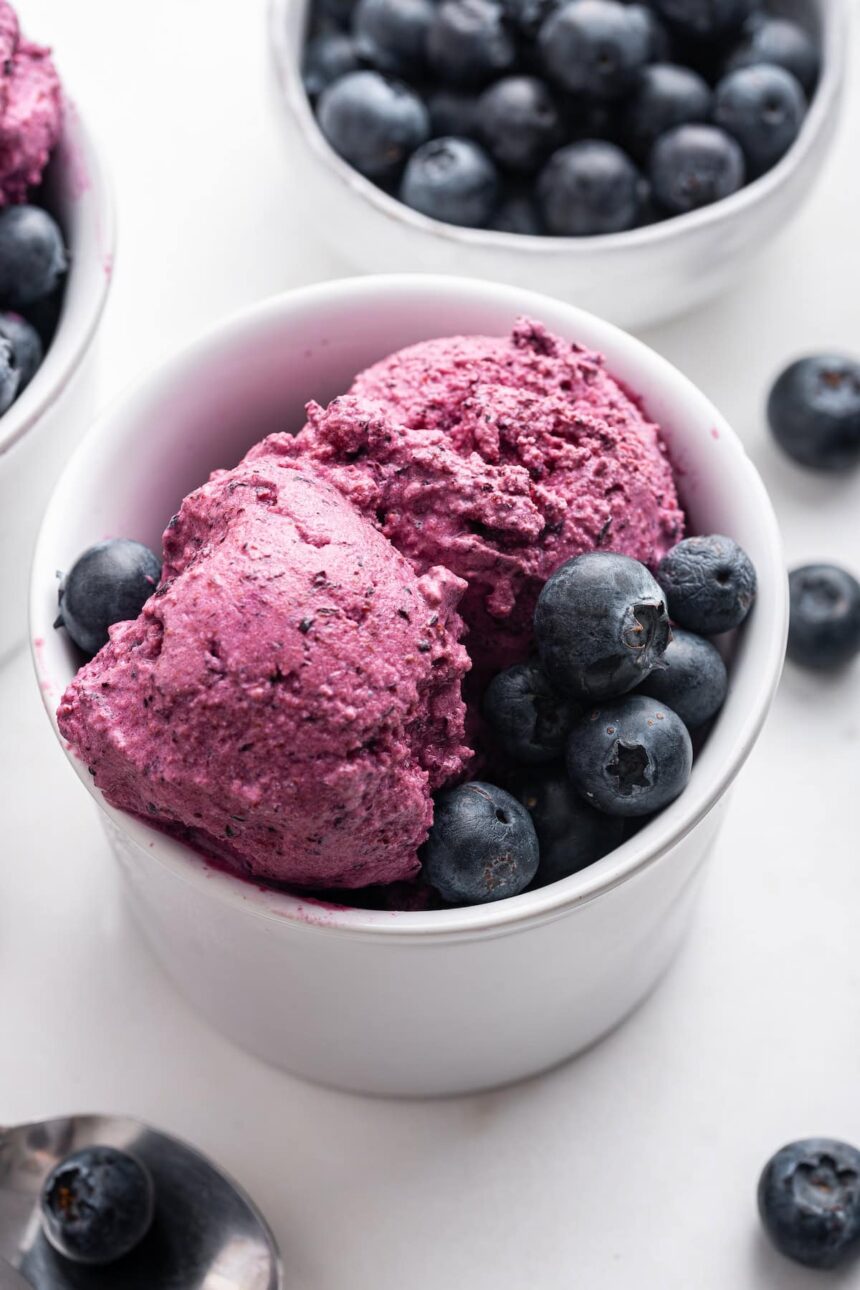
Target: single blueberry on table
column 517, row 212
column 97, row 1205
column 709, row 584
column 392, row 34
column 482, row 845
column 9, row 376
column 763, row 107
column 453, row 112
column 809, row 1202
column 705, row 19
column 824, row 623
column 693, row 166
column 630, row 756
column 469, row 42
column 780, row 42
column 665, row 96
column 327, row 57
column 572, row 834
column 588, row 188
column 595, row 47
column 528, row 717
column 519, row 122
column 32, row 256
column 453, row 180
column 110, row 583
column 374, row 123
column 694, row 681
column 27, row 348
column 814, row 411
column 600, row 625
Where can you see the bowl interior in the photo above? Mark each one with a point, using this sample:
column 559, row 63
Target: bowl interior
column 254, row 375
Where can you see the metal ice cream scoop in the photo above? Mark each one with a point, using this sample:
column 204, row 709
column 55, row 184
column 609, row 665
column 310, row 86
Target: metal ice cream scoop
column 206, row 1234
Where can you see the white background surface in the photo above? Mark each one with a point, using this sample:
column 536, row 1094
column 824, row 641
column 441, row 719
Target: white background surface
column 634, row 1166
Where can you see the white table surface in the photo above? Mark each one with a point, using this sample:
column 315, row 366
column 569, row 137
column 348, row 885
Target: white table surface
column 632, row 1167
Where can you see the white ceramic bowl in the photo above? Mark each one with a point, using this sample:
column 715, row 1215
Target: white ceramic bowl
column 631, row 278
column 405, row 1003
column 42, row 427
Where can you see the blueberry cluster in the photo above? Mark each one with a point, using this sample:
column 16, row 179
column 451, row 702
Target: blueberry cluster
column 33, row 264
column 558, row 117
column 597, row 727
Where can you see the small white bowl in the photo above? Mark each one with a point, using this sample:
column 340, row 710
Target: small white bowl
column 631, row 278
column 405, row 1003
column 42, row 427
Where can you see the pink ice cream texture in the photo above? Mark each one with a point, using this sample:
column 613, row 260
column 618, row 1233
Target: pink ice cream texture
column 31, row 106
column 290, row 697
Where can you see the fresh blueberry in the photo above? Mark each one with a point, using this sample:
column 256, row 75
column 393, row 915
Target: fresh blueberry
column 763, row 108
column 10, row 377
column 327, row 57
column 32, row 256
column 630, row 757
column 27, row 350
column 814, row 411
column 595, row 47
column 373, row 122
column 589, row 188
column 709, row 584
column 469, row 42
column 451, row 180
column 824, row 627
column 600, row 625
column 665, row 96
column 809, row 1201
column 97, row 1205
column 705, row 19
column 693, row 166
column 572, row 834
column 110, row 583
column 453, row 112
column 392, row 34
column 781, row 43
column 519, row 122
column 482, row 845
column 527, row 715
column 527, row 16
column 517, row 212
column 694, row 681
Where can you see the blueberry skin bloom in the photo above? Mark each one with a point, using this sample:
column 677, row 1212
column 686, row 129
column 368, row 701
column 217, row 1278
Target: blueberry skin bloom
column 595, row 47
column 110, row 583
column 694, row 681
column 469, row 42
column 709, row 582
column 665, row 96
column 26, row 345
column 97, row 1205
column 519, row 122
column 705, row 19
column 589, row 188
column 32, row 256
column 763, row 108
column 780, row 42
column 482, row 846
column 694, row 166
column 600, row 625
column 630, row 756
column 529, row 718
column 372, row 122
column 809, row 1201
column 572, row 835
column 452, row 180
column 814, row 411
column 824, row 620
column 392, row 34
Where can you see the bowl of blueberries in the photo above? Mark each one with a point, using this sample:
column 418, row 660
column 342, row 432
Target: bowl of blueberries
column 56, row 262
column 629, row 157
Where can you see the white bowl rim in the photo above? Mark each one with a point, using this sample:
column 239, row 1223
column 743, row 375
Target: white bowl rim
column 836, row 16
column 659, row 836
column 49, row 382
